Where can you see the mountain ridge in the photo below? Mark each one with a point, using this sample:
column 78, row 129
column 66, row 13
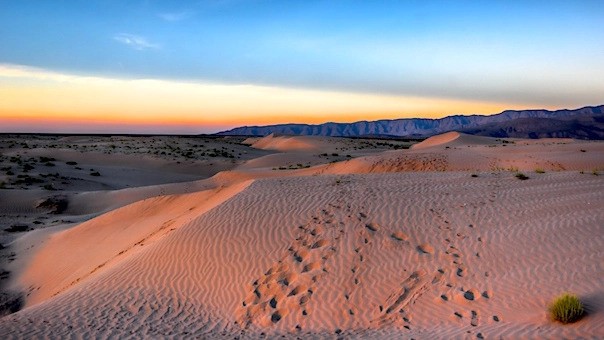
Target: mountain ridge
column 424, row 127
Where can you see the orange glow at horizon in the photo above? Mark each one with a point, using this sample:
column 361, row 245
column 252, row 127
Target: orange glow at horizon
column 38, row 96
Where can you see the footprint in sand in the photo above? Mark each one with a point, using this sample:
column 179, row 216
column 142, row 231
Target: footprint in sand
column 425, row 248
column 470, row 294
column 372, row 226
column 399, row 236
column 311, row 266
column 275, row 317
column 474, row 321
column 319, row 244
column 292, row 277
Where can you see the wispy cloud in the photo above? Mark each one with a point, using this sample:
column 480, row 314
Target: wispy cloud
column 135, row 41
column 175, row 16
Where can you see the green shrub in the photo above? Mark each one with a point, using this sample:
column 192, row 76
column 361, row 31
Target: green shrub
column 521, row 176
column 539, row 171
column 566, row 308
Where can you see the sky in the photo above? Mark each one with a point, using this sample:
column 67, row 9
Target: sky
column 204, row 66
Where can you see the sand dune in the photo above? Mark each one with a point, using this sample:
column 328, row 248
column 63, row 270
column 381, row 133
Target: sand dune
column 458, row 152
column 110, row 238
column 454, row 138
column 332, row 261
column 296, row 143
column 404, row 243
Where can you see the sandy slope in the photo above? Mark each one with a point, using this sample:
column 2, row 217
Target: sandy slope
column 112, row 237
column 286, row 143
column 335, row 249
column 459, row 152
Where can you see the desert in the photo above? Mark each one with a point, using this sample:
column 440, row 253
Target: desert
column 260, row 169
column 299, row 237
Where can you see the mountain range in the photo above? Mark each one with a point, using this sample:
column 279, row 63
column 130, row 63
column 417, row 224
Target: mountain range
column 583, row 123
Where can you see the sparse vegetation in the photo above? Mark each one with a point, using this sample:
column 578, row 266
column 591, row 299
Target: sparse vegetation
column 49, row 187
column 539, row 171
column 46, row 159
column 521, row 176
column 595, row 172
column 17, row 228
column 566, row 308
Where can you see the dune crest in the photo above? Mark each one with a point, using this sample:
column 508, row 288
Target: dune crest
column 105, row 241
column 285, row 143
column 454, row 138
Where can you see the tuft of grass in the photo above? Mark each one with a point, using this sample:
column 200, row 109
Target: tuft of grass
column 566, row 308
column 539, row 171
column 521, row 176
column 595, row 172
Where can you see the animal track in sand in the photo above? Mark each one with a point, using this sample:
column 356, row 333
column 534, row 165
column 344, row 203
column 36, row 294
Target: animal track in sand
column 372, row 226
column 311, row 266
column 289, row 283
column 399, row 236
column 319, row 244
column 396, row 304
column 297, row 290
column 470, row 294
column 425, row 248
column 474, row 320
column 300, row 255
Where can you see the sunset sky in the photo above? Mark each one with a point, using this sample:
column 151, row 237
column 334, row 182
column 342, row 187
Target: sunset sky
column 204, row 66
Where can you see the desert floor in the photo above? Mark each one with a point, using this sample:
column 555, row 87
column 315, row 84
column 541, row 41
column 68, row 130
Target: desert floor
column 179, row 237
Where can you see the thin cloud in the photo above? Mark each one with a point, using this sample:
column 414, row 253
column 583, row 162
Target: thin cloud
column 175, row 16
column 135, row 41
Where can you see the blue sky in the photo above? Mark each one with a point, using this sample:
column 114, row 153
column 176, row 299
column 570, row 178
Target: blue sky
column 532, row 53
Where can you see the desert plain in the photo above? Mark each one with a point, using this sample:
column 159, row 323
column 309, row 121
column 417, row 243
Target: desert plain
column 455, row 236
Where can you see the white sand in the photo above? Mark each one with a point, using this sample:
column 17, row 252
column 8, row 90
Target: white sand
column 355, row 248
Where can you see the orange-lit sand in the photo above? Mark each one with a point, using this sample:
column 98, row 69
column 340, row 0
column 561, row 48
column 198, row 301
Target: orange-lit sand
column 400, row 244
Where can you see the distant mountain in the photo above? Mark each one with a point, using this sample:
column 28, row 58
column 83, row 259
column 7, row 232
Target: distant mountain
column 578, row 127
column 584, row 123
